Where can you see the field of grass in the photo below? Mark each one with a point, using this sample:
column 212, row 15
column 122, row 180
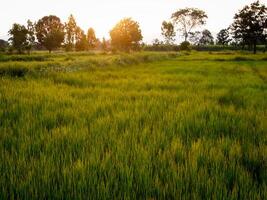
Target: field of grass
column 139, row 126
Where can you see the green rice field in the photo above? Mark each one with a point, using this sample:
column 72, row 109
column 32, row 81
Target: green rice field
column 145, row 125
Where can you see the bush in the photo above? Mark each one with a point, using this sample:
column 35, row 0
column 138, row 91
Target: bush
column 185, row 46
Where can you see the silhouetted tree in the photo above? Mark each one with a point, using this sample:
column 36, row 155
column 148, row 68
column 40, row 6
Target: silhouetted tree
column 18, row 37
column 81, row 41
column 50, row 32
column 91, row 38
column 188, row 19
column 126, row 35
column 70, row 28
column 30, row 36
column 206, row 38
column 250, row 24
column 167, row 30
column 223, row 37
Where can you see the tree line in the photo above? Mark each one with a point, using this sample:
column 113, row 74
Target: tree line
column 50, row 33
column 249, row 29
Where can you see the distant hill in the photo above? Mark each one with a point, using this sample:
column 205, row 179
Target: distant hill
column 3, row 44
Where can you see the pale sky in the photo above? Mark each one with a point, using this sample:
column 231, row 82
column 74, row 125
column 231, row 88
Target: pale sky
column 102, row 15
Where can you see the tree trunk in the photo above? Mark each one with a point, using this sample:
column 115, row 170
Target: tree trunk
column 185, row 37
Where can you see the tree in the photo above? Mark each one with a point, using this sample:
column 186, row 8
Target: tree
column 81, row 41
column 188, row 19
column 206, row 38
column 250, row 24
column 91, row 38
column 167, row 30
column 50, row 32
column 126, row 35
column 104, row 44
column 157, row 42
column 70, row 28
column 223, row 37
column 30, row 36
column 194, row 37
column 18, row 37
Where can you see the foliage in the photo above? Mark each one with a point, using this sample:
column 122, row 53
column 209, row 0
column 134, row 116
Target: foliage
column 19, row 35
column 250, row 24
column 185, row 46
column 31, row 36
column 91, row 38
column 194, row 37
column 50, row 32
column 223, row 37
column 206, row 38
column 126, row 35
column 188, row 19
column 70, row 33
column 104, row 45
column 81, row 40
column 167, row 30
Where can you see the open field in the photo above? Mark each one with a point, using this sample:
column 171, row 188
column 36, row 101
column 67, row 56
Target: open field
column 140, row 126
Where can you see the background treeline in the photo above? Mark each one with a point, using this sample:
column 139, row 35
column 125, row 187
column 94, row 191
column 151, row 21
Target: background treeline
column 248, row 31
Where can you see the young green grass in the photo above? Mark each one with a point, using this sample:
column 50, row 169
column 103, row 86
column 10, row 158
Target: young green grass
column 140, row 126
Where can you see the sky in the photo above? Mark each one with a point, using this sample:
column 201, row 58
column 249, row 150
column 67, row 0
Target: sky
column 102, row 15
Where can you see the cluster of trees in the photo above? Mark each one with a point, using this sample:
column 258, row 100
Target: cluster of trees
column 249, row 27
column 50, row 33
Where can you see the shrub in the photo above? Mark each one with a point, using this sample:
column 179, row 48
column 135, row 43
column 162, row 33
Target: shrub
column 185, row 46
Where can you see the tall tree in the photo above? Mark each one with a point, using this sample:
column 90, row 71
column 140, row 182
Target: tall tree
column 50, row 32
column 18, row 37
column 223, row 37
column 250, row 24
column 126, row 35
column 70, row 28
column 81, row 40
column 167, row 30
column 104, row 44
column 206, row 38
column 30, row 35
column 91, row 38
column 188, row 19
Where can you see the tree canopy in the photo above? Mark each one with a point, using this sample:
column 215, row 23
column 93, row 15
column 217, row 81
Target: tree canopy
column 20, row 37
column 167, row 30
column 70, row 28
column 249, row 26
column 91, row 38
column 50, row 32
column 126, row 35
column 223, row 37
column 206, row 38
column 188, row 19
